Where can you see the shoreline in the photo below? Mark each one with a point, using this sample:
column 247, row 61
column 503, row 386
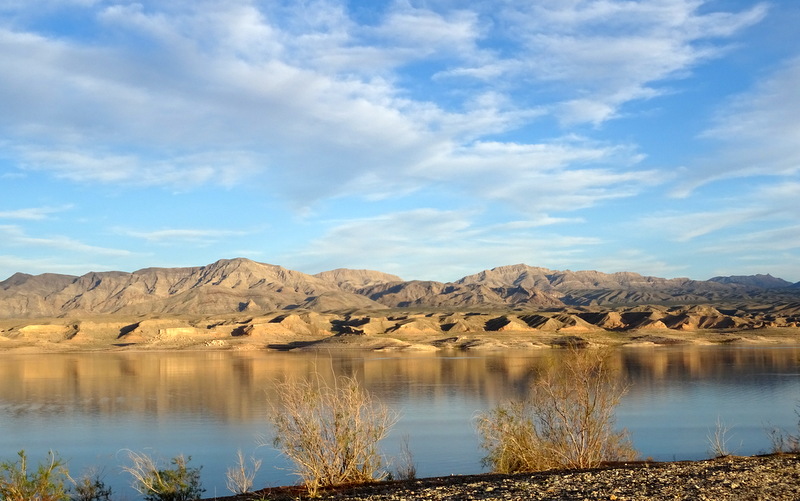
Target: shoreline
column 399, row 332
column 472, row 342
column 772, row 477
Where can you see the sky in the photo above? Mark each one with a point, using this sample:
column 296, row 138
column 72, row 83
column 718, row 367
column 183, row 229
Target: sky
column 431, row 139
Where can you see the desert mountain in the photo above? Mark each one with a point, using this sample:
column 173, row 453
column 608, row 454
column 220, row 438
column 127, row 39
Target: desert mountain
column 352, row 280
column 582, row 288
column 242, row 285
column 454, row 295
column 228, row 285
column 763, row 281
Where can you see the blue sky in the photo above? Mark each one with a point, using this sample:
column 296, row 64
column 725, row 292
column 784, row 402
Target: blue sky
column 431, row 139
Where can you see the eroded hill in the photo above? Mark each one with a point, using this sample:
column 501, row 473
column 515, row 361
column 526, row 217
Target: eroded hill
column 411, row 330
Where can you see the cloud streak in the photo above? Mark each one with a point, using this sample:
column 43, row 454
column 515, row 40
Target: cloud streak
column 176, row 236
column 756, row 134
column 16, row 236
column 434, row 243
column 32, row 213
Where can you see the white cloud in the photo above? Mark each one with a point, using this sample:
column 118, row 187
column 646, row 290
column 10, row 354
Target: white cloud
column 226, row 168
column 632, row 260
column 757, row 134
column 33, row 213
column 435, row 244
column 760, row 205
column 683, row 227
column 783, row 238
column 181, row 235
column 563, row 175
column 424, row 30
column 303, row 98
column 186, row 102
column 612, row 52
column 16, row 236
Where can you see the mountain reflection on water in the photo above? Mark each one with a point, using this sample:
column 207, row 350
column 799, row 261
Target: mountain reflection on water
column 232, row 386
column 90, row 406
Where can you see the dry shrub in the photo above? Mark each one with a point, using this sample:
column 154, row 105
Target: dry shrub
column 158, row 482
column 406, row 468
column 783, row 441
column 239, row 478
column 567, row 420
column 718, row 440
column 330, row 431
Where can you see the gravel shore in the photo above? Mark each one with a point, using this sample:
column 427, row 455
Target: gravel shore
column 773, row 477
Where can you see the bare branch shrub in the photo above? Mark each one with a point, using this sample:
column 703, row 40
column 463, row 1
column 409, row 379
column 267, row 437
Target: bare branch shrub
column 567, row 420
column 239, row 478
column 162, row 483
column 784, row 442
column 718, row 440
column 330, row 431
column 46, row 483
column 406, row 469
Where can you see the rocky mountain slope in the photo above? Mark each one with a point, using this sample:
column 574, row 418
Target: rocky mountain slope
column 228, row 285
column 596, row 288
column 763, row 281
column 352, row 280
column 242, row 285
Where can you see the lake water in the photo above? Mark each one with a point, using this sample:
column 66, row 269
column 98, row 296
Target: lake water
column 91, row 408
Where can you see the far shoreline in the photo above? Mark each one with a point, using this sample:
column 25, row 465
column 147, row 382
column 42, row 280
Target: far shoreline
column 403, row 330
column 30, row 336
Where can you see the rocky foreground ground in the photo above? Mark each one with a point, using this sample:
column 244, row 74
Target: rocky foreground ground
column 773, row 477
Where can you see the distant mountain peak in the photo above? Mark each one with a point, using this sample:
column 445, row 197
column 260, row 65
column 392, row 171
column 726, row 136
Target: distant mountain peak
column 352, row 280
column 762, row 281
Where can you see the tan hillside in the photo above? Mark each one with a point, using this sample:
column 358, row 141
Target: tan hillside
column 231, row 286
column 228, row 285
column 597, row 288
column 352, row 280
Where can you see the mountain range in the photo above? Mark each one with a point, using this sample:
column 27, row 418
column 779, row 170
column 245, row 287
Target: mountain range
column 242, row 285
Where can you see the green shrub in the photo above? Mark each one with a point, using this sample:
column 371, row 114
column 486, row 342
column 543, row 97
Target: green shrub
column 566, row 421
column 46, row 483
column 160, row 483
column 90, row 487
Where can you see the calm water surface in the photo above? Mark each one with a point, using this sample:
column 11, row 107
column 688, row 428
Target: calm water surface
column 92, row 407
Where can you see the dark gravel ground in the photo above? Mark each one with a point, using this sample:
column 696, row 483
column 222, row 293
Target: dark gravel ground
column 772, row 477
